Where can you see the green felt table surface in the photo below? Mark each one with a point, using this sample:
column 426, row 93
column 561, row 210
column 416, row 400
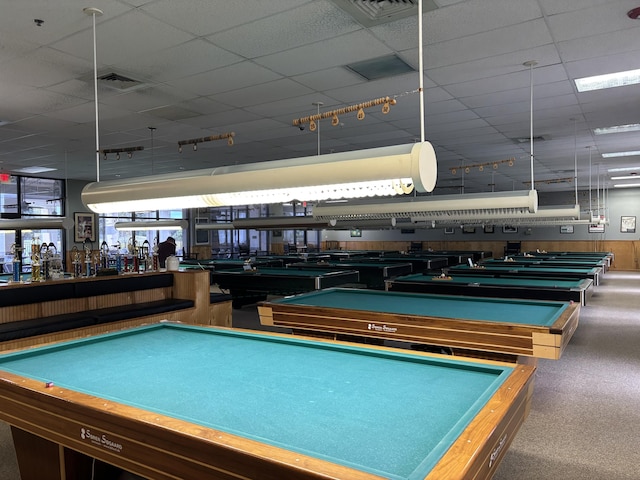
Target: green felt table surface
column 545, row 262
column 505, row 267
column 551, row 282
column 389, row 413
column 281, row 272
column 514, row 311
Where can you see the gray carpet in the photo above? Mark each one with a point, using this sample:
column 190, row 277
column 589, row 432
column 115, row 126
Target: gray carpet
column 585, row 418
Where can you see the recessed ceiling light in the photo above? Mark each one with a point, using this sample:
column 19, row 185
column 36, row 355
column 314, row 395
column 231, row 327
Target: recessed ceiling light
column 609, row 80
column 633, row 127
column 630, row 153
column 34, row 169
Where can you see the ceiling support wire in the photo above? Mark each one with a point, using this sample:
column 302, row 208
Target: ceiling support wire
column 590, row 184
column 318, row 105
column 575, row 160
column 598, row 192
column 531, row 64
column 421, row 71
column 93, row 12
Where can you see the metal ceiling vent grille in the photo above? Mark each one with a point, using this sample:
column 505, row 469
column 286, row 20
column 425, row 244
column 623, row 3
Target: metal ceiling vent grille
column 119, row 82
column 369, row 13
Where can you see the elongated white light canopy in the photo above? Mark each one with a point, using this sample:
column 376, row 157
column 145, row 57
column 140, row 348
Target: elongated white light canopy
column 381, row 171
column 150, row 225
column 439, row 206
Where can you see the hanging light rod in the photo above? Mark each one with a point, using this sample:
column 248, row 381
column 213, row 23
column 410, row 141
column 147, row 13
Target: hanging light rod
column 333, row 114
column 383, row 171
column 438, row 206
column 506, row 217
column 551, row 180
column 195, row 141
column 36, row 223
column 146, row 225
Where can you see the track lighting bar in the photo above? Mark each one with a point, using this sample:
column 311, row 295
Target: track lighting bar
column 333, row 114
column 195, row 141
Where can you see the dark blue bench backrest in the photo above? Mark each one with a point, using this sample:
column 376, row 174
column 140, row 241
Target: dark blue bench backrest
column 48, row 292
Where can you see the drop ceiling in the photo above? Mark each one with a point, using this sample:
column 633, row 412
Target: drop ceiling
column 200, row 68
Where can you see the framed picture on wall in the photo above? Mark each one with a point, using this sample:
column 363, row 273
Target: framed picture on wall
column 202, row 236
column 488, row 229
column 509, row 229
column 566, row 228
column 628, row 224
column 355, row 232
column 467, row 229
column 596, row 228
column 449, row 231
column 84, row 226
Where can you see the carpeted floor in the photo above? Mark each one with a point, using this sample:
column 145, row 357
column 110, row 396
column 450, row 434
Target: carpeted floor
column 585, row 418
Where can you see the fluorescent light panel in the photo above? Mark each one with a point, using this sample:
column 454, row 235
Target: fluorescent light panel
column 624, row 169
column 36, row 223
column 34, row 169
column 626, row 177
column 633, row 127
column 140, row 226
column 609, row 80
column 630, row 153
column 626, row 185
column 441, row 207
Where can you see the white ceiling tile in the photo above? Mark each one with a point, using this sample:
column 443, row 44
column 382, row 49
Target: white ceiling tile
column 325, row 54
column 202, row 17
column 225, row 79
column 263, row 93
column 310, row 23
column 584, row 22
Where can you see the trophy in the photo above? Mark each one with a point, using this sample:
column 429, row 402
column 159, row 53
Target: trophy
column 45, row 255
column 35, row 263
column 104, row 254
column 155, row 254
column 118, row 257
column 144, row 256
column 55, row 262
column 77, row 264
column 87, row 258
column 17, row 264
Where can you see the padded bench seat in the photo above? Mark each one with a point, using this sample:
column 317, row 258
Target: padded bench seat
column 71, row 289
column 220, row 298
column 68, row 321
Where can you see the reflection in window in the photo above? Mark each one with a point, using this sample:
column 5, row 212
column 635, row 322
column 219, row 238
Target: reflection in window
column 41, row 197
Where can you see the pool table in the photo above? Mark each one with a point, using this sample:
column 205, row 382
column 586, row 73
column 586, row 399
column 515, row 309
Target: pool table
column 514, row 327
column 528, row 271
column 563, row 289
column 229, row 263
column 606, row 256
column 372, row 274
column 454, row 257
column 173, row 401
column 251, row 286
column 419, row 263
column 548, row 262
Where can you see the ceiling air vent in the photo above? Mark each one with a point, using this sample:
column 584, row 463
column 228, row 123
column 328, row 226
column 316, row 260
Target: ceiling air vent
column 538, row 138
column 375, row 12
column 119, row 82
column 381, row 67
